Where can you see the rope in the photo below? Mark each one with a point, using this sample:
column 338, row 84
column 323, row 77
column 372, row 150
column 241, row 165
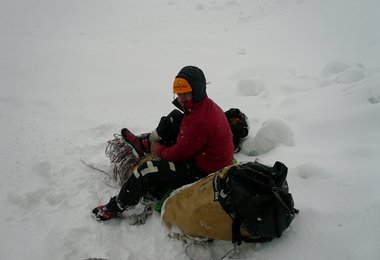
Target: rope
column 226, row 256
column 109, row 177
column 229, row 252
column 93, row 167
column 187, row 253
column 122, row 157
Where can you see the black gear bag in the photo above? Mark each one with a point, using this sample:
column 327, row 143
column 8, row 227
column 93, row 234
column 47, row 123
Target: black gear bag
column 239, row 126
column 257, row 198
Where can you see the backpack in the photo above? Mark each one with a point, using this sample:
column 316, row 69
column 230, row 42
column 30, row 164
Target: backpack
column 257, row 199
column 239, row 126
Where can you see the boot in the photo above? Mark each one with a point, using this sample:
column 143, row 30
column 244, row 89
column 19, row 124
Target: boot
column 106, row 212
column 139, row 143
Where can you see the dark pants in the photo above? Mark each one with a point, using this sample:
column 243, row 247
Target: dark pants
column 161, row 175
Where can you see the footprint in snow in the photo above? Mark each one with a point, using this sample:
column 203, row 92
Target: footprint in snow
column 310, row 171
column 251, row 86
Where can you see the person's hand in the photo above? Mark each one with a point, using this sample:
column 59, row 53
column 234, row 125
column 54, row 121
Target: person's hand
column 154, row 147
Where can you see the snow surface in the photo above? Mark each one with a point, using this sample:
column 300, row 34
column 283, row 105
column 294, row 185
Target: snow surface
column 73, row 73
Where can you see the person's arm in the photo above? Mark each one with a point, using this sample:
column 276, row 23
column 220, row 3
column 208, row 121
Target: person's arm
column 191, row 138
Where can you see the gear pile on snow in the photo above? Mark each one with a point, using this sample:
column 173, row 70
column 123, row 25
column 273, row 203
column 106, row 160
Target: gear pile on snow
column 245, row 202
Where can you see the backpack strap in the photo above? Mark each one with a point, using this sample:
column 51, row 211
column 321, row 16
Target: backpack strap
column 236, row 235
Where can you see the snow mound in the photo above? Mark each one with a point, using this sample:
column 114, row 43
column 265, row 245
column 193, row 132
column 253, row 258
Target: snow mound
column 351, row 75
column 251, row 86
column 271, row 134
column 344, row 73
column 334, row 68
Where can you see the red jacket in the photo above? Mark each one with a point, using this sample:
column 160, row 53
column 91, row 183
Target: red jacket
column 205, row 137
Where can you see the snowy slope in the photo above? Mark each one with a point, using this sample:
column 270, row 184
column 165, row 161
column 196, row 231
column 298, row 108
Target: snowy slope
column 72, row 73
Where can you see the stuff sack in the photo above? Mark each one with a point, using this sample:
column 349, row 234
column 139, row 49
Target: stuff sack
column 257, row 198
column 194, row 210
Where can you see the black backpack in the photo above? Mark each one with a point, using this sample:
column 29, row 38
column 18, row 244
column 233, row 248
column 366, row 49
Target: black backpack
column 257, row 198
column 239, row 126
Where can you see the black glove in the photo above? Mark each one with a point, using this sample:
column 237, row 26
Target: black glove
column 168, row 128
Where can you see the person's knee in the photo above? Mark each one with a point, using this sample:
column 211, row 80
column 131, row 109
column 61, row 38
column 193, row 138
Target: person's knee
column 144, row 172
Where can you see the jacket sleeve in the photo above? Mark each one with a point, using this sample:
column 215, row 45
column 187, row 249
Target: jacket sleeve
column 192, row 137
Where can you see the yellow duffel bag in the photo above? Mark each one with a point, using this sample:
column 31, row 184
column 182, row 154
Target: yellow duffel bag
column 195, row 210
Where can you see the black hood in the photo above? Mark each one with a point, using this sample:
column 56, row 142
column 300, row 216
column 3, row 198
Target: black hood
column 197, row 81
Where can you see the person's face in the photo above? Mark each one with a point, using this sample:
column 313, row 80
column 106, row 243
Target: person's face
column 183, row 97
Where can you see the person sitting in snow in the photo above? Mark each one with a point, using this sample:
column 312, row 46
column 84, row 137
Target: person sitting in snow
column 202, row 145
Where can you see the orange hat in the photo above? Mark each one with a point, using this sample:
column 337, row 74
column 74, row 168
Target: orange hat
column 181, row 85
